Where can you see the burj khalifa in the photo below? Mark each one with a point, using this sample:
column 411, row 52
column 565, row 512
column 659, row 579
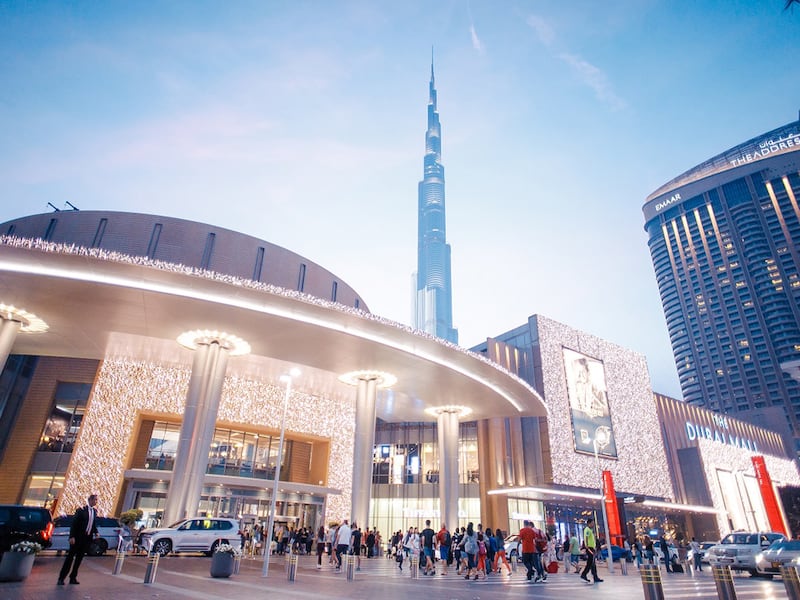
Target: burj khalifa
column 433, row 303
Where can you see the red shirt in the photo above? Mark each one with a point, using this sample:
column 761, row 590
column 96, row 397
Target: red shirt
column 440, row 537
column 527, row 537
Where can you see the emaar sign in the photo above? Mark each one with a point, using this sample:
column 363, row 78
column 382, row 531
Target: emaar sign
column 694, row 432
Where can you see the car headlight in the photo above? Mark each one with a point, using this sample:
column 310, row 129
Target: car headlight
column 759, row 557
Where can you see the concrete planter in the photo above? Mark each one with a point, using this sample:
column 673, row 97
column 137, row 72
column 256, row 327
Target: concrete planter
column 222, row 564
column 16, row 566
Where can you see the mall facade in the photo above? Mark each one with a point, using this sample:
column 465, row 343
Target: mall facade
column 149, row 359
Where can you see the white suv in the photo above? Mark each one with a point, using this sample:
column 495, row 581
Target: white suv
column 192, row 535
column 738, row 550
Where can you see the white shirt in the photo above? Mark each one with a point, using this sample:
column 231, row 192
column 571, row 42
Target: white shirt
column 343, row 535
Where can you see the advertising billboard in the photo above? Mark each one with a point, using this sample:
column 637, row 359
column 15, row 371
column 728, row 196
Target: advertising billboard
column 588, row 402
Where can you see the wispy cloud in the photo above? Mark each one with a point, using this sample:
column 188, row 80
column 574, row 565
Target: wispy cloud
column 594, row 78
column 477, row 44
column 591, row 76
column 542, row 29
column 476, row 41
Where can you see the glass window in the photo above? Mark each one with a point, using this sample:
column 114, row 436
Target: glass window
column 163, row 446
column 61, row 429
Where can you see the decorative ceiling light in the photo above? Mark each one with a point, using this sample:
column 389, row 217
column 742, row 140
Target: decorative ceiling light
column 382, row 379
column 29, row 322
column 461, row 411
column 235, row 345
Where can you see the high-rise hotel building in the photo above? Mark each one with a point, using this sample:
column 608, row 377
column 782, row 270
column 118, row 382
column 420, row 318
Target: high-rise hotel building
column 725, row 242
column 433, row 303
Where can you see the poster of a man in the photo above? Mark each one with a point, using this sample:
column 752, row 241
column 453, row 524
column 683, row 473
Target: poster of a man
column 588, row 400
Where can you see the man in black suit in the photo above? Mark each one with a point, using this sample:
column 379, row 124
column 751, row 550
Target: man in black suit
column 81, row 533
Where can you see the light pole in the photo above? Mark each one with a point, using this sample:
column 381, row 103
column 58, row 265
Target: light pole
column 602, row 436
column 287, row 379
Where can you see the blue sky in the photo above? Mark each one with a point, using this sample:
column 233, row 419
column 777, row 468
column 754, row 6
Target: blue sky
column 303, row 123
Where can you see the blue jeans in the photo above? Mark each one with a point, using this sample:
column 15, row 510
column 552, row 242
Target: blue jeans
column 537, row 564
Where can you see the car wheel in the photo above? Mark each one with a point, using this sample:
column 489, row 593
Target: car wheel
column 162, row 547
column 98, row 547
column 213, row 548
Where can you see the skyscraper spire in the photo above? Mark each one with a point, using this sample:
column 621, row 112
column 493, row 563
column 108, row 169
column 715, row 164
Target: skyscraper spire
column 433, row 305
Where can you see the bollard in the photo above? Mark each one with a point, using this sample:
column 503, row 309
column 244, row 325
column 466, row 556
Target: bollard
column 791, row 582
column 514, row 560
column 237, row 563
column 414, row 567
column 291, row 573
column 623, row 565
column 688, row 567
column 651, row 582
column 350, row 566
column 152, row 567
column 118, row 562
column 723, row 579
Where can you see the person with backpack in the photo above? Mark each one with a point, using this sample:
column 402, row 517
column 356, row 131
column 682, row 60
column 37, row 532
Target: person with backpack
column 480, row 570
column 491, row 549
column 469, row 548
column 540, row 547
column 443, row 541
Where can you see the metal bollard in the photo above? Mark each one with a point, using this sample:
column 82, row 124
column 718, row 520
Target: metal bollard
column 514, row 564
column 350, row 567
column 237, row 563
column 723, row 579
column 414, row 567
column 623, row 565
column 291, row 572
column 118, row 562
column 152, row 567
column 791, row 582
column 651, row 582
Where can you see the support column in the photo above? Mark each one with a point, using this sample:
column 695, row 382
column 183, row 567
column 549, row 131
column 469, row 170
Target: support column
column 199, row 418
column 363, row 444
column 367, row 384
column 447, row 429
column 204, row 427
column 12, row 321
column 8, row 333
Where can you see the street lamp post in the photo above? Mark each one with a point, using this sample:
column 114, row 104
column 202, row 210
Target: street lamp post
column 267, row 536
column 602, row 436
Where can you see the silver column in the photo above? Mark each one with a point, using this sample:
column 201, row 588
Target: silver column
column 8, row 333
column 176, row 495
column 447, row 429
column 204, row 427
column 210, row 361
column 363, row 444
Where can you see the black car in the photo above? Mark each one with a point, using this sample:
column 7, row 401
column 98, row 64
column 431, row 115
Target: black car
column 24, row 523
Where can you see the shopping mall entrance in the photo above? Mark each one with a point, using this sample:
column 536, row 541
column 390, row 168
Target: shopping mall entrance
column 248, row 505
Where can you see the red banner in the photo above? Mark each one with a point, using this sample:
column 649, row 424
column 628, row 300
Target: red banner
column 612, row 509
column 774, row 515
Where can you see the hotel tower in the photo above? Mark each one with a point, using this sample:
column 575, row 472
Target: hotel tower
column 725, row 243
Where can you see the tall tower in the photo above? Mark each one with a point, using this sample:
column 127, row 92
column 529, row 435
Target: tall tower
column 433, row 303
column 725, row 243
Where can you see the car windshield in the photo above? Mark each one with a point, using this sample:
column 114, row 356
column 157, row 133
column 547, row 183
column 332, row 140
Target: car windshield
column 740, row 538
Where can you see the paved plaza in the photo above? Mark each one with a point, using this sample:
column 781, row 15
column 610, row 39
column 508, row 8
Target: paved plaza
column 379, row 579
